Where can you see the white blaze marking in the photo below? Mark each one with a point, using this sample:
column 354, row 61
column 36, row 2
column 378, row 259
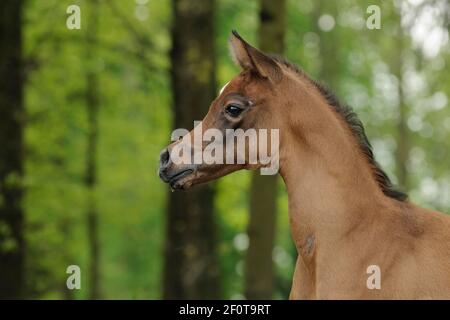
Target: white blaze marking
column 223, row 88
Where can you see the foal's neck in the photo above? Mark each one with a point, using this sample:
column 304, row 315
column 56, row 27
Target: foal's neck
column 330, row 184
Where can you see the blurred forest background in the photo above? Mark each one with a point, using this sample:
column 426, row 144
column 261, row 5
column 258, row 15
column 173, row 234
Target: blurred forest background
column 84, row 114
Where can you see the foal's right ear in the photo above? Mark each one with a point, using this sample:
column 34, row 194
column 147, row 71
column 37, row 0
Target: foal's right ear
column 250, row 58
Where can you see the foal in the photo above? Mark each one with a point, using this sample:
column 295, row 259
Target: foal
column 346, row 219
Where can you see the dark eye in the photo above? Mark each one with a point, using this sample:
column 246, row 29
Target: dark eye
column 233, row 110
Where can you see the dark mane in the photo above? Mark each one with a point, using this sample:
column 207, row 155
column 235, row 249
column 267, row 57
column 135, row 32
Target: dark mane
column 357, row 128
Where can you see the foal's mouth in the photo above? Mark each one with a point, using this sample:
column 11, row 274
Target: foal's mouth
column 174, row 181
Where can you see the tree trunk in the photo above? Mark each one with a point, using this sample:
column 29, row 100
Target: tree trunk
column 92, row 105
column 191, row 267
column 259, row 270
column 12, row 246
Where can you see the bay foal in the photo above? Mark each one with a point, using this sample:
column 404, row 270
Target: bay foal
column 344, row 213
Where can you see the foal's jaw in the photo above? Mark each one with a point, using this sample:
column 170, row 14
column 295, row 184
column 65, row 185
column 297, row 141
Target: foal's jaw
column 184, row 179
column 185, row 176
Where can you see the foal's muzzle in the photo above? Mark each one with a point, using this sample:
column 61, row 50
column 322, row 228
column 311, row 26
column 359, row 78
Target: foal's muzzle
column 170, row 173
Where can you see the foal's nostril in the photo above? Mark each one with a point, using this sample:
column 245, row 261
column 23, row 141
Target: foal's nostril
column 164, row 158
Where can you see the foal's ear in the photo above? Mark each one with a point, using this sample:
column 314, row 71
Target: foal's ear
column 250, row 58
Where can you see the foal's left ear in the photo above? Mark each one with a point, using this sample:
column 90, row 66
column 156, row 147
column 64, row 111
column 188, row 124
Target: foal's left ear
column 250, row 58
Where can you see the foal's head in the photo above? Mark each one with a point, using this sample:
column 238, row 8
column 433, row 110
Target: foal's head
column 252, row 100
column 269, row 93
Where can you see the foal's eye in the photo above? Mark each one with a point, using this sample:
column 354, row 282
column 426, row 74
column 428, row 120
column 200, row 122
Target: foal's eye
column 233, row 110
